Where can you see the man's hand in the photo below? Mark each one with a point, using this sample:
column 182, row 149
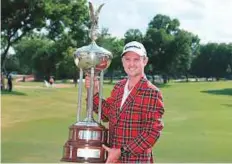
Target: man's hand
column 113, row 154
column 96, row 84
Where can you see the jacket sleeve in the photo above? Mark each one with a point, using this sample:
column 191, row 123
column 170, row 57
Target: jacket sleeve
column 107, row 104
column 152, row 127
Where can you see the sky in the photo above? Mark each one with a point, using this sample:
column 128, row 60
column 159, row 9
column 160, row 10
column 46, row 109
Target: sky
column 211, row 20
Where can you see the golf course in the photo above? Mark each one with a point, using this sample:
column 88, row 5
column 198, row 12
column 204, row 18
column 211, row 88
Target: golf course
column 197, row 122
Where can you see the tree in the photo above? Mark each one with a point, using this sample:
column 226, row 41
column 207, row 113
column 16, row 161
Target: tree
column 164, row 22
column 220, row 61
column 66, row 68
column 213, row 60
column 18, row 18
column 170, row 49
column 37, row 55
column 184, row 47
column 133, row 35
column 12, row 64
column 157, row 43
column 201, row 66
column 67, row 17
column 115, row 46
column 158, row 38
column 56, row 17
column 68, row 27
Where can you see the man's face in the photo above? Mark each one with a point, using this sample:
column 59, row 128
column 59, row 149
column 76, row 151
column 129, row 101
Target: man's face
column 134, row 64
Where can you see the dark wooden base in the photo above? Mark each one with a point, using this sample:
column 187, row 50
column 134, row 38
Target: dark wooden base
column 85, row 144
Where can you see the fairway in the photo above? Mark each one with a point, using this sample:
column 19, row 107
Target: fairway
column 198, row 119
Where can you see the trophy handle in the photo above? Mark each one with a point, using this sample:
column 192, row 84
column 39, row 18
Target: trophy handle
column 90, row 96
column 100, row 96
column 79, row 94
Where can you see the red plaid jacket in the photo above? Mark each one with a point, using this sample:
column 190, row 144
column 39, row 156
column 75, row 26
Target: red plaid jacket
column 138, row 124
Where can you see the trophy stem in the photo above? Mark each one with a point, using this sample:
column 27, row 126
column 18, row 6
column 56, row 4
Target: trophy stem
column 100, row 96
column 79, row 94
column 90, row 96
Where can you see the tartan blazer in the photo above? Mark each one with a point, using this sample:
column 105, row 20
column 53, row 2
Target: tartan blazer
column 138, row 124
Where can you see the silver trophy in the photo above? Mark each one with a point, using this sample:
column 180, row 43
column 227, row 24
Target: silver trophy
column 87, row 136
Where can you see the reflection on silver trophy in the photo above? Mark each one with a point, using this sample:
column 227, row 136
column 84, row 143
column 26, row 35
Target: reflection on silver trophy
column 87, row 136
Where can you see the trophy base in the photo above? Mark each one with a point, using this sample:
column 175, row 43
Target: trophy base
column 85, row 143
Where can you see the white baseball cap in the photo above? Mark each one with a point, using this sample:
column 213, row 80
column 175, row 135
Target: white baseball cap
column 136, row 47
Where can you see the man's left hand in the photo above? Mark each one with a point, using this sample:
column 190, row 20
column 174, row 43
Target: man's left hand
column 113, row 154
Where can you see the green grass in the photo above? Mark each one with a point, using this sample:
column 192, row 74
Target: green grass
column 198, row 118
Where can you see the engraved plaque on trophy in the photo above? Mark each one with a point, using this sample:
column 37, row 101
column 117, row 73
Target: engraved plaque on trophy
column 87, row 136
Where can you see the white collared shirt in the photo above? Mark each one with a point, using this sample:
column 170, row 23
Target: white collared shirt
column 125, row 93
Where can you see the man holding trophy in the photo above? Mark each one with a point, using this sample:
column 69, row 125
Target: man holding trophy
column 134, row 110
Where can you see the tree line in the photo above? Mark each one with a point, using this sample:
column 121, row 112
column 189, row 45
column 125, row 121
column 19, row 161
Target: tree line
column 45, row 34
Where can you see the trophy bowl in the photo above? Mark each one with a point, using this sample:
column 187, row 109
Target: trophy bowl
column 92, row 55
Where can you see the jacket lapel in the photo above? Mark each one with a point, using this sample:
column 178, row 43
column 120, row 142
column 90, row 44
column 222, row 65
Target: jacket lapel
column 120, row 95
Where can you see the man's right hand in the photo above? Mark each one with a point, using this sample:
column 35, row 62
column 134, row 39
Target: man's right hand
column 95, row 86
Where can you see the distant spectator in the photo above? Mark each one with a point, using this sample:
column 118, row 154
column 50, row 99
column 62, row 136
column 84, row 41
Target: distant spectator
column 9, row 82
column 51, row 80
column 24, row 79
column 2, row 81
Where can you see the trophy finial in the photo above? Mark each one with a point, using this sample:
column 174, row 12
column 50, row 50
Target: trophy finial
column 94, row 16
